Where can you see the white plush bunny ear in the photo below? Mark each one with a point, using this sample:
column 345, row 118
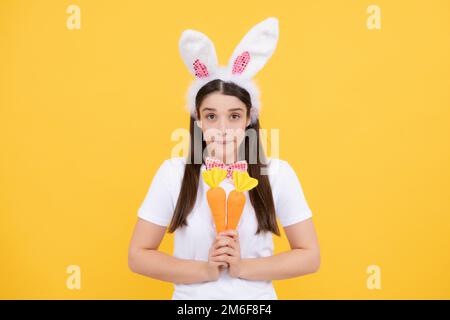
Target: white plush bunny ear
column 255, row 49
column 198, row 53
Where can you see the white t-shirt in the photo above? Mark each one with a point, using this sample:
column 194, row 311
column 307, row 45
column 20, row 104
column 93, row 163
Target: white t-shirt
column 194, row 241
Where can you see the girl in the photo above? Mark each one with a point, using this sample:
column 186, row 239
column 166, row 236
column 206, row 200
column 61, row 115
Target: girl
column 234, row 264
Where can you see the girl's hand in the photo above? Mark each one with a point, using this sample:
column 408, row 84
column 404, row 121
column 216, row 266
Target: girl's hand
column 215, row 265
column 229, row 251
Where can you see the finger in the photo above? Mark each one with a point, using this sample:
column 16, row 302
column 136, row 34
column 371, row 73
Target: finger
column 229, row 233
column 220, row 245
column 233, row 237
column 221, row 258
column 233, row 250
column 224, row 236
column 220, row 264
column 222, row 242
column 218, row 252
column 222, row 250
column 231, row 244
column 227, row 243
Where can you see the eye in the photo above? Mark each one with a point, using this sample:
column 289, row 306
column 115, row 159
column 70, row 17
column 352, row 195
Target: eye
column 210, row 116
column 235, row 116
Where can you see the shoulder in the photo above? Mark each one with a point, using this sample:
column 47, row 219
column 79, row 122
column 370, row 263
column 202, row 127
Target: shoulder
column 172, row 170
column 280, row 173
column 175, row 163
column 277, row 167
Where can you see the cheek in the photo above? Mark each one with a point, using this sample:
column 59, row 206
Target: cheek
column 210, row 131
column 239, row 124
column 238, row 130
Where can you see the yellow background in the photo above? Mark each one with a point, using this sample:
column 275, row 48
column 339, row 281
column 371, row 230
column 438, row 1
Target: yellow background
column 86, row 117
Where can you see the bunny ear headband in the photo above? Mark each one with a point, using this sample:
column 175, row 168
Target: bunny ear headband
column 250, row 55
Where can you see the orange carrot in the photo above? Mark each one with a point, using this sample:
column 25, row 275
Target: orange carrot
column 216, row 196
column 236, row 198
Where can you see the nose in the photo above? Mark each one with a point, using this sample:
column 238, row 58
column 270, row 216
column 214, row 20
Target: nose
column 223, row 126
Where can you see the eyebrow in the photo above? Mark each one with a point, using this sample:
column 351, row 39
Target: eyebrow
column 213, row 109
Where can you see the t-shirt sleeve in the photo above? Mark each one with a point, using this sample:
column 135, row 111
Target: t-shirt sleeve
column 290, row 203
column 158, row 206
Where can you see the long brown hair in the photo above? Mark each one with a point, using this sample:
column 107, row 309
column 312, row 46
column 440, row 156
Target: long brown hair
column 261, row 197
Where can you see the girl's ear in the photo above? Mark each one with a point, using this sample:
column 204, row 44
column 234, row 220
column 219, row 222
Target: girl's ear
column 199, row 123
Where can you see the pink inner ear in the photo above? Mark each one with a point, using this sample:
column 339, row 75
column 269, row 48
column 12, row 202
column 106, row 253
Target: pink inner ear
column 200, row 69
column 241, row 62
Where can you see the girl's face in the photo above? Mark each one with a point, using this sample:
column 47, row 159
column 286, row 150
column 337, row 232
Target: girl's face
column 223, row 119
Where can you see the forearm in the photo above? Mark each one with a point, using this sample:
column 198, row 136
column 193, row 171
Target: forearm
column 289, row 264
column 159, row 265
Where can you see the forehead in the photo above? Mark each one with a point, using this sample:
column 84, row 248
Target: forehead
column 221, row 102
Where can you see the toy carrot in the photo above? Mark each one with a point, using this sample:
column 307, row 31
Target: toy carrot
column 236, row 198
column 216, row 196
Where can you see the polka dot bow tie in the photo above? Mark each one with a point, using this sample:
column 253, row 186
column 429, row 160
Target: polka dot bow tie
column 238, row 166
